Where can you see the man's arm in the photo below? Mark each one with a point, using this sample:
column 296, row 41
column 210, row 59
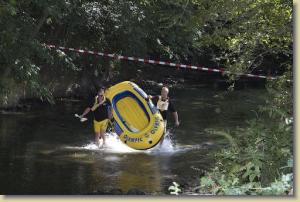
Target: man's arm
column 154, row 98
column 109, row 110
column 149, row 97
column 175, row 115
column 86, row 111
column 110, row 116
column 174, row 112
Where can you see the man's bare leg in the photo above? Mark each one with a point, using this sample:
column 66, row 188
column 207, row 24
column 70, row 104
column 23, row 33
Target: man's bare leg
column 97, row 138
column 102, row 135
column 163, row 136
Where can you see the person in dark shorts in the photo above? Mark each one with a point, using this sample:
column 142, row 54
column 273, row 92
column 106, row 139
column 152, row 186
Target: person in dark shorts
column 101, row 108
column 165, row 105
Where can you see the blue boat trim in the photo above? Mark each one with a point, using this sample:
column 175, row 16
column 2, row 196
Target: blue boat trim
column 117, row 128
column 145, row 96
column 141, row 92
column 152, row 107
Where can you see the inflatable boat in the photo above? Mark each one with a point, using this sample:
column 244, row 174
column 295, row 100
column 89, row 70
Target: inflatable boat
column 137, row 121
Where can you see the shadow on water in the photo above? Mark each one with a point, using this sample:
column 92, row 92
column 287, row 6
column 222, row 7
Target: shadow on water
column 47, row 151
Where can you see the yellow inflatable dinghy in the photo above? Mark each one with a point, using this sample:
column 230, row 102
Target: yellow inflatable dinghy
column 136, row 120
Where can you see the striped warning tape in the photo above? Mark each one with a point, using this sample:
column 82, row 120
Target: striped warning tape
column 121, row 57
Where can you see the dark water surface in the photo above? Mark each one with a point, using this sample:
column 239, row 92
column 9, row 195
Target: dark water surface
column 48, row 151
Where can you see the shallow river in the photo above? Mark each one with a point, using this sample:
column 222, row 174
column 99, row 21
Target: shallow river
column 48, row 151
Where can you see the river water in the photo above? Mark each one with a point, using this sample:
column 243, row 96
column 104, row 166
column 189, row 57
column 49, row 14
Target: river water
column 48, row 151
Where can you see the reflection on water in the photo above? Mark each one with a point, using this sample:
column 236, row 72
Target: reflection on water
column 48, row 151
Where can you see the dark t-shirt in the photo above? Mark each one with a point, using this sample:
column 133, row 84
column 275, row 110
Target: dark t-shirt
column 171, row 107
column 102, row 111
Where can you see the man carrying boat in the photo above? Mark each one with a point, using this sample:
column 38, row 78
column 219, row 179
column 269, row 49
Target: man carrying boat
column 101, row 108
column 164, row 104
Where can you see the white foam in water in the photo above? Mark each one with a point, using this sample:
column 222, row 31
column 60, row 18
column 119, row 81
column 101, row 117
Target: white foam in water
column 112, row 145
column 115, row 145
column 91, row 146
column 167, row 147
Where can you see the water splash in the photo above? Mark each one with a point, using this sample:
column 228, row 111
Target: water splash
column 115, row 145
column 166, row 147
column 169, row 146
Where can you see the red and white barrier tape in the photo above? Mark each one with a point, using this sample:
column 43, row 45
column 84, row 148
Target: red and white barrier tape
column 121, row 57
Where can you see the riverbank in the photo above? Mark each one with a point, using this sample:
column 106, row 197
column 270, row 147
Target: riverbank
column 81, row 92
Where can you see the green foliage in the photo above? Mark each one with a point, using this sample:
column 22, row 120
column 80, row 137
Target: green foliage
column 243, row 36
column 258, row 151
column 219, row 184
column 247, row 33
column 22, row 55
column 259, row 157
